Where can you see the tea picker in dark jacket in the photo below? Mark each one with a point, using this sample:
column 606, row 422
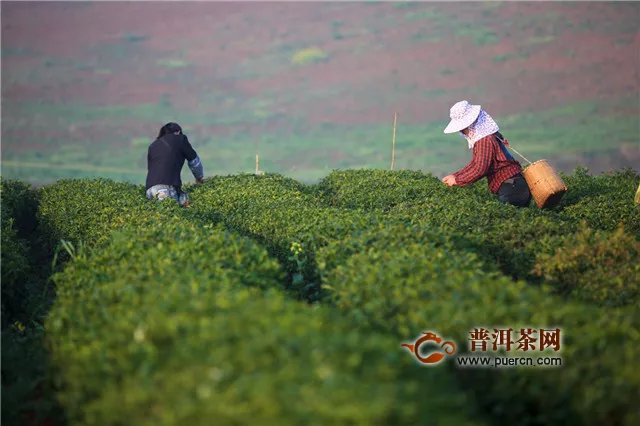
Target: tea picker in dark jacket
column 165, row 160
column 490, row 156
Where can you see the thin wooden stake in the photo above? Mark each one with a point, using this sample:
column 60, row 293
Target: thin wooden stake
column 257, row 164
column 393, row 146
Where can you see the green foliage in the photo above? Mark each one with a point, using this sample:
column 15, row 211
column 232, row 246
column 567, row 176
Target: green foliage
column 403, row 282
column 166, row 325
column 177, row 316
column 376, row 189
column 89, row 210
column 15, row 270
column 25, row 388
column 309, row 55
column 512, row 238
column 172, row 63
column 605, row 201
column 134, row 38
column 26, row 392
column 20, row 202
column 594, row 265
column 506, row 234
column 278, row 212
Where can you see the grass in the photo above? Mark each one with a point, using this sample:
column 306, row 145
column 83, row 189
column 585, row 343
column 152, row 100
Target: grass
column 307, row 154
column 71, row 112
column 541, row 39
column 134, row 38
column 172, row 63
column 310, row 55
column 425, row 36
column 507, row 56
column 434, row 93
column 426, row 14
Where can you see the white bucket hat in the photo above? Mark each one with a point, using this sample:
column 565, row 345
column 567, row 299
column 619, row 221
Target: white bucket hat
column 462, row 114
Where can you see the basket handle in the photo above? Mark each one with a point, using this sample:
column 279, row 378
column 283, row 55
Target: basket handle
column 509, row 146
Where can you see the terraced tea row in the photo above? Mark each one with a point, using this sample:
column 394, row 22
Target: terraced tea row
column 405, row 280
column 171, row 315
column 404, row 275
column 18, row 201
column 174, row 321
column 553, row 247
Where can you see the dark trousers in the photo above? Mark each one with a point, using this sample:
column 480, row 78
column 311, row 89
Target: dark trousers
column 515, row 191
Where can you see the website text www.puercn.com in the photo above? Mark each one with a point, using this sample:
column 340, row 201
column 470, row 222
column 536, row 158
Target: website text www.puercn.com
column 505, row 362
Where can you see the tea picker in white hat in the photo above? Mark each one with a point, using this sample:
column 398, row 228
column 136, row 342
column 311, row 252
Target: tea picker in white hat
column 490, row 156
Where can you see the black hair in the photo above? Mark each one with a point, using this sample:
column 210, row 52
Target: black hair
column 169, row 128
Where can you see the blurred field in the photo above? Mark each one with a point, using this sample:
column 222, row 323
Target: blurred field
column 312, row 87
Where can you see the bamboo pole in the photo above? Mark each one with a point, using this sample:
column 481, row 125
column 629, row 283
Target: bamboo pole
column 393, row 144
column 519, row 154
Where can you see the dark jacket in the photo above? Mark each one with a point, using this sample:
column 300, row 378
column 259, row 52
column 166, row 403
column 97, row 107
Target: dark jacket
column 166, row 158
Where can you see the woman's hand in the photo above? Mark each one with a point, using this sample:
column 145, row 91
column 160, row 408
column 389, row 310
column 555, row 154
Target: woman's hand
column 450, row 180
column 199, row 181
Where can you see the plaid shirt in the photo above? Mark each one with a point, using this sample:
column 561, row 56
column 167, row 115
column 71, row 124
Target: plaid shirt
column 488, row 160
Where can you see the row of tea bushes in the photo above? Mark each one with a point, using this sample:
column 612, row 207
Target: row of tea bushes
column 15, row 270
column 421, row 199
column 548, row 251
column 396, row 269
column 415, row 271
column 173, row 321
column 88, row 210
column 288, row 221
column 369, row 189
column 18, row 204
column 164, row 328
column 595, row 266
column 405, row 281
column 604, row 202
column 520, row 241
column 298, row 220
column 26, row 296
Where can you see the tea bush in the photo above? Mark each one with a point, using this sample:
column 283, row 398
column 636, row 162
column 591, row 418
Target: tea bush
column 18, row 202
column 89, row 210
column 392, row 271
column 378, row 189
column 273, row 211
column 27, row 393
column 168, row 326
column 503, row 232
column 15, row 270
column 279, row 217
column 512, row 238
column 605, row 202
column 172, row 319
column 594, row 265
column 405, row 283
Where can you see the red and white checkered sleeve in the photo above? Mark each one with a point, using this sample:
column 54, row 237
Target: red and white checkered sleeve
column 483, row 152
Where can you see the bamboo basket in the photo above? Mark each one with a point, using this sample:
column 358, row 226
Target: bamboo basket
column 545, row 185
column 547, row 188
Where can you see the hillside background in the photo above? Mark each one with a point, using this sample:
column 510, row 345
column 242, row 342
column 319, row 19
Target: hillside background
column 312, row 87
